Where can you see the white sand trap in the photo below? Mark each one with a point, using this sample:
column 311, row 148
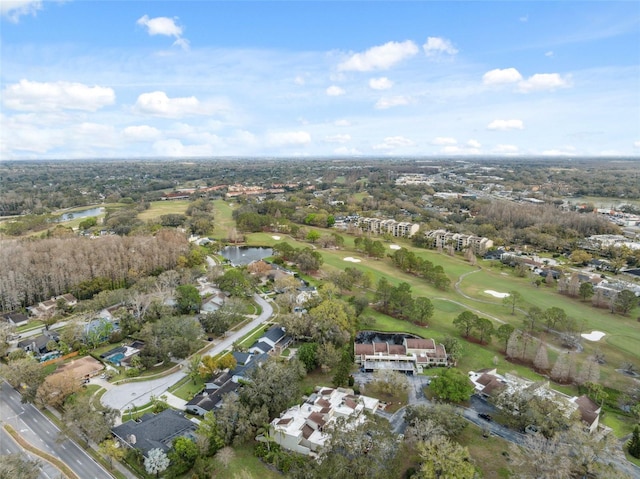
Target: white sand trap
column 352, row 260
column 276, row 237
column 495, row 294
column 593, row 335
column 395, row 246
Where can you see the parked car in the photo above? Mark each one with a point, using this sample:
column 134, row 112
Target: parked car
column 485, row 416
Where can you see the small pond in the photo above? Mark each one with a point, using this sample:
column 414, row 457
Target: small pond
column 82, row 214
column 241, row 255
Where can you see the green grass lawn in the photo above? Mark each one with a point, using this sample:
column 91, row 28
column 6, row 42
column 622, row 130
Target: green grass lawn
column 186, row 388
column 159, row 208
column 223, row 221
column 486, row 452
column 245, row 464
column 621, row 425
column 31, row 325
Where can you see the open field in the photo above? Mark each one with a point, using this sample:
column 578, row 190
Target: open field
column 159, row 208
column 222, row 220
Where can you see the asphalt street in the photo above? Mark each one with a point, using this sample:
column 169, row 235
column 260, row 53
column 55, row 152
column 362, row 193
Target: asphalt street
column 38, row 430
column 9, row 446
column 135, row 394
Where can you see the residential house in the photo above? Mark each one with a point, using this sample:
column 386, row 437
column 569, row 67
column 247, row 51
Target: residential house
column 301, row 428
column 15, row 318
column 246, row 362
column 153, row 431
column 38, row 344
column 211, row 399
column 274, row 340
column 48, row 307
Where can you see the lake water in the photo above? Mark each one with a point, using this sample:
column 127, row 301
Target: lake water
column 241, row 255
column 82, row 214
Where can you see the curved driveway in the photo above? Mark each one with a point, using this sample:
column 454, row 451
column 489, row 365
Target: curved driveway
column 136, row 394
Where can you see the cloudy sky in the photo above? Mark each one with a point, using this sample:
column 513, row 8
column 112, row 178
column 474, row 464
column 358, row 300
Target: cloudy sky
column 87, row 79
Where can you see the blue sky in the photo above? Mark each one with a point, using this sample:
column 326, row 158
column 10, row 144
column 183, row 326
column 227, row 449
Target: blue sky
column 93, row 79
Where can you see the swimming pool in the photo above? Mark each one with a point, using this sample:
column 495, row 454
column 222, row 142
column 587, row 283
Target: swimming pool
column 116, row 358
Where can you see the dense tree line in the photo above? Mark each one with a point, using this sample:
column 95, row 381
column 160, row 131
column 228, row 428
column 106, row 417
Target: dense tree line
column 544, row 226
column 410, row 263
column 32, row 271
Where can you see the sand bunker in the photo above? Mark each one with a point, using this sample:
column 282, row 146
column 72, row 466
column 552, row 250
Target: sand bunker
column 495, row 294
column 593, row 335
column 352, row 260
column 276, row 237
column 395, row 246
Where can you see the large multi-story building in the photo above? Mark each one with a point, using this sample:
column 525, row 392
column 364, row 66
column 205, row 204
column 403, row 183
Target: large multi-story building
column 412, row 356
column 301, row 428
column 459, row 241
column 377, row 226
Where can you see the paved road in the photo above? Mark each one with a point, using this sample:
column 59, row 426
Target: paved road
column 136, row 394
column 9, row 446
column 36, row 428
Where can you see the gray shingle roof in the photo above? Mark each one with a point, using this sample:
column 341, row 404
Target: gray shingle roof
column 155, row 430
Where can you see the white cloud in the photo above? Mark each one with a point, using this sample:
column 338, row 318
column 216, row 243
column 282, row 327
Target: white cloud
column 337, row 139
column 569, row 151
column 299, row 80
column 544, row 81
column 335, row 90
column 14, row 9
column 436, row 46
column 444, row 140
column 38, row 96
column 549, row 54
column 391, row 142
column 94, row 135
column 636, row 144
column 343, row 150
column 141, row 133
column 175, row 148
column 524, row 18
column 342, row 123
column 504, row 125
column 506, row 149
column 501, row 76
column 157, row 103
column 288, row 138
column 382, row 83
column 389, row 102
column 474, row 144
column 164, row 26
column 380, row 57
